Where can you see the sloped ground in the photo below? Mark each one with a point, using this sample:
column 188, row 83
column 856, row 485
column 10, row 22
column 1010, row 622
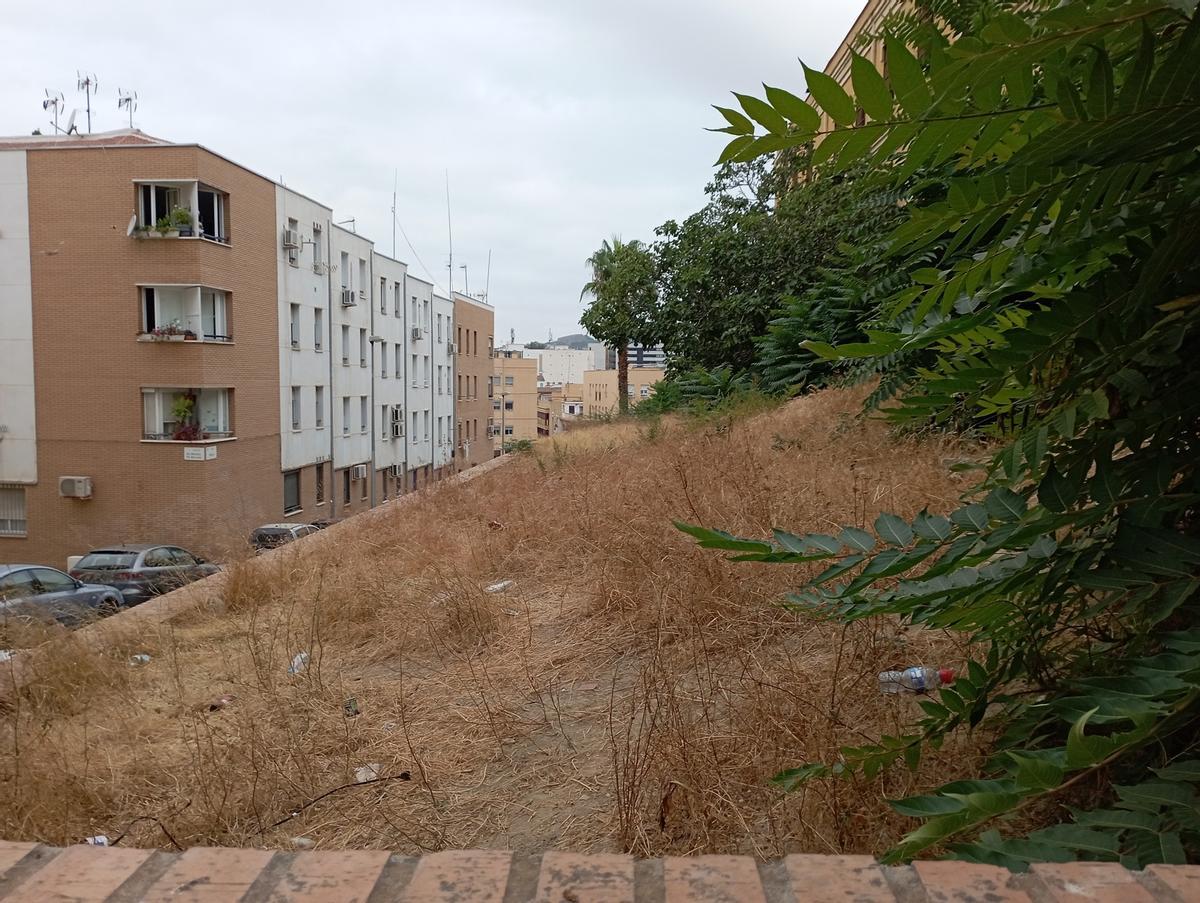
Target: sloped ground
column 628, row 691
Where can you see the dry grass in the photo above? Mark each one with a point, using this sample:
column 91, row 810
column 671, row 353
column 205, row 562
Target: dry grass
column 629, row 691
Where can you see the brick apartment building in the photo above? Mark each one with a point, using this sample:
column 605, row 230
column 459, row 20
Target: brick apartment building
column 189, row 349
column 474, row 323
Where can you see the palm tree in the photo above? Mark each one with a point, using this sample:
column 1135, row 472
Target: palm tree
column 623, row 302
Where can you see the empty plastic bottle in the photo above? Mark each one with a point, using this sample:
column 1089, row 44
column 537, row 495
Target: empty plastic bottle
column 299, row 663
column 914, row 680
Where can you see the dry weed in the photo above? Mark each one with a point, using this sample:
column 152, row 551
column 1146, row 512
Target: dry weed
column 628, row 691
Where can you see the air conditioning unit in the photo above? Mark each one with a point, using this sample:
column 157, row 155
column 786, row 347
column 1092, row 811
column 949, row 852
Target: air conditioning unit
column 451, row 348
column 75, row 487
column 291, row 239
column 418, row 333
column 397, row 429
column 358, row 472
column 349, row 299
column 319, row 268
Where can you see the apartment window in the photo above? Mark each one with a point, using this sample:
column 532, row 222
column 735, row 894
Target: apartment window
column 362, row 278
column 439, row 379
column 383, row 367
column 295, row 326
column 458, row 333
column 213, row 211
column 318, row 329
column 424, row 313
column 362, row 348
column 414, row 371
column 414, row 426
column 475, row 342
column 473, row 384
column 398, row 361
column 155, row 202
column 295, row 407
column 344, row 270
column 508, row 430
column 644, row 391
column 426, row 421
column 12, row 511
column 214, row 316
column 320, row 407
column 491, row 352
column 425, row 368
column 508, row 380
column 383, row 296
column 415, row 317
column 293, row 254
column 291, row 492
column 366, row 488
column 508, row 405
column 186, row 415
column 319, row 483
column 385, row 424
column 345, row 346
column 458, row 390
column 316, row 248
column 363, row 414
column 346, row 486
column 495, row 404
column 345, row 415
column 491, row 382
column 397, row 299
column 439, row 328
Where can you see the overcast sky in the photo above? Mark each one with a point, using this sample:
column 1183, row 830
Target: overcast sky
column 560, row 123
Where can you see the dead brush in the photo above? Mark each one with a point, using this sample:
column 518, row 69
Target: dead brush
column 629, row 691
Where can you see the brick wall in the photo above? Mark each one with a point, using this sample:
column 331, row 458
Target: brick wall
column 32, row 874
column 89, row 368
column 474, row 326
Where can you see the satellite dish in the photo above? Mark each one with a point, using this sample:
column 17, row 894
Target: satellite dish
column 71, row 122
column 132, row 225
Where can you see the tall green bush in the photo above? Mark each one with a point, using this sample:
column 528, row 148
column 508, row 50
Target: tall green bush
column 1052, row 292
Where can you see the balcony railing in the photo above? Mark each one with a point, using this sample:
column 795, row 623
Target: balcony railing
column 200, row 436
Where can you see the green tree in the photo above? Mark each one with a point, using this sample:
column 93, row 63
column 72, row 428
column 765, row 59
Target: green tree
column 1052, row 283
column 623, row 302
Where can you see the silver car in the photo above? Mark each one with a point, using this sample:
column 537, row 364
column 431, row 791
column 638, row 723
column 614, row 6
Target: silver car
column 34, row 591
column 139, row 571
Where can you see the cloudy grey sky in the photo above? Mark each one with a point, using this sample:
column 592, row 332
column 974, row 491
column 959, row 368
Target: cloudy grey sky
column 560, row 123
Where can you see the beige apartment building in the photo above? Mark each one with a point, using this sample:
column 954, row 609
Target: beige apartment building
column 169, row 323
column 474, row 324
column 600, row 396
column 514, row 397
column 549, row 410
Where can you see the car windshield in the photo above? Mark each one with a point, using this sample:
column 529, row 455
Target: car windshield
column 106, row 561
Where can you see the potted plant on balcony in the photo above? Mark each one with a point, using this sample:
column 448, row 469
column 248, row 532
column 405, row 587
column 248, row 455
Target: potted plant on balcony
column 171, row 332
column 181, row 221
column 184, row 413
column 164, row 228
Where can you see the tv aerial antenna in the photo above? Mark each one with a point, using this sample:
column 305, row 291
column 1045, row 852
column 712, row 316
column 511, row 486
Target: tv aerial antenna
column 89, row 85
column 128, row 100
column 56, row 102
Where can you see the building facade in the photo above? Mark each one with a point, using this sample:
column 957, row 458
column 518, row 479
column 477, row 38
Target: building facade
column 600, row 396
column 474, row 325
column 514, row 397
column 189, row 349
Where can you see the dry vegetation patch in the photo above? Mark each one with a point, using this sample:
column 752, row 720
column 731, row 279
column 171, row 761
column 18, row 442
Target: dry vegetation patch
column 628, row 691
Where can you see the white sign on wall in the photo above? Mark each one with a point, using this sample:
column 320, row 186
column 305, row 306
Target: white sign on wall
column 210, row 452
column 193, row 454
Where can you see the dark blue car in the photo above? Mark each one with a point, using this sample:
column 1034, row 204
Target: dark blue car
column 36, row 591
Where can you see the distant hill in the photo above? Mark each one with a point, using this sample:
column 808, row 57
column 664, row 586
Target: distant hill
column 575, row 340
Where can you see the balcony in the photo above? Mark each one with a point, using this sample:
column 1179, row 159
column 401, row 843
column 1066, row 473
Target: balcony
column 186, row 415
column 184, row 313
column 179, row 209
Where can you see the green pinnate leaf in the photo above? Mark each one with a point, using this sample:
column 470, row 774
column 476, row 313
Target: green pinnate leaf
column 830, row 96
column 870, row 90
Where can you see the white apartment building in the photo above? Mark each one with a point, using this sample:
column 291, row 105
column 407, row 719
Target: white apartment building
column 558, row 366
column 351, row 385
column 389, row 341
column 420, row 390
column 441, row 340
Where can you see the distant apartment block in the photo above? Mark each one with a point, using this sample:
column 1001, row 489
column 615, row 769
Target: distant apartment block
column 600, row 395
column 639, row 356
column 514, row 397
column 190, row 349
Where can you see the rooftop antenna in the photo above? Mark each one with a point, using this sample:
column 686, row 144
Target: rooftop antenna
column 88, row 84
column 353, row 224
column 466, row 279
column 395, row 176
column 54, row 101
column 127, row 99
column 450, row 234
column 487, row 280
column 512, row 336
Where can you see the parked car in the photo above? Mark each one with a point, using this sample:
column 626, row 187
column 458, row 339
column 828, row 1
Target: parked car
column 34, row 591
column 271, row 536
column 140, row 571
